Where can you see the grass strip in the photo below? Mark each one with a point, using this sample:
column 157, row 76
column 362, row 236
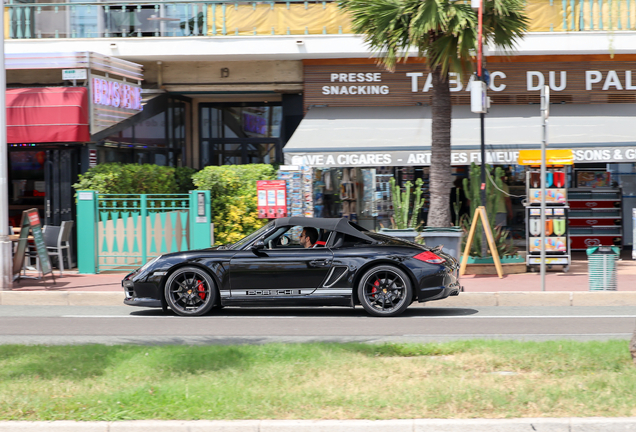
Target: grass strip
column 464, row 379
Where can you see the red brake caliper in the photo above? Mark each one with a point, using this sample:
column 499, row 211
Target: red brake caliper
column 374, row 290
column 201, row 290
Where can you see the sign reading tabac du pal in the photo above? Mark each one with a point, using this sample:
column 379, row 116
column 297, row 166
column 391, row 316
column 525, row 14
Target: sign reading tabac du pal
column 112, row 101
column 360, row 83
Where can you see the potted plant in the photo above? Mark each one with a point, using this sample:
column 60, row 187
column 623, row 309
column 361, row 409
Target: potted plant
column 405, row 218
column 480, row 260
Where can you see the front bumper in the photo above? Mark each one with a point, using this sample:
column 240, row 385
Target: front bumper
column 132, row 297
column 142, row 302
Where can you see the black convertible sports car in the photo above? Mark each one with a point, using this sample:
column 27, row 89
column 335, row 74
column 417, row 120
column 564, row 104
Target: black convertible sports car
column 348, row 265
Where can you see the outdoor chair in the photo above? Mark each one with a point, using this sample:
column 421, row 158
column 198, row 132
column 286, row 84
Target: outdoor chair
column 57, row 240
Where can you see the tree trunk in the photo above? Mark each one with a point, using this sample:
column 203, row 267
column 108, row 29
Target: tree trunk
column 439, row 214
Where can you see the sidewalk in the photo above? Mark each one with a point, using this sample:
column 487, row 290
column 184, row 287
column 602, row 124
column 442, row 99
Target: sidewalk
column 576, row 279
column 72, row 281
column 562, row 289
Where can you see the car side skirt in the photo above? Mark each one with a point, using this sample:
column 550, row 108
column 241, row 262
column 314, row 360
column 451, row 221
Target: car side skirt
column 344, row 300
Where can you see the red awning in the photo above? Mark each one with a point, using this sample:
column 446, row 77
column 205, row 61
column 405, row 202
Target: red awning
column 47, row 115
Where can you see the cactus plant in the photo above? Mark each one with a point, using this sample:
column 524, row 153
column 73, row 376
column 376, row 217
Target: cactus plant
column 457, row 205
column 405, row 217
column 472, row 190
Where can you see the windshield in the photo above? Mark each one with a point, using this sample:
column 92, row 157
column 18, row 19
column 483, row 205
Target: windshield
column 256, row 234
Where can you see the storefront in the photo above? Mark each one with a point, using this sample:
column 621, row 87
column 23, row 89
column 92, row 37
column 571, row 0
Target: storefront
column 52, row 130
column 358, row 115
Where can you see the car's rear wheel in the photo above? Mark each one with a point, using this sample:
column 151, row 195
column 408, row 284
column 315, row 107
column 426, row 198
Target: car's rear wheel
column 190, row 291
column 385, row 291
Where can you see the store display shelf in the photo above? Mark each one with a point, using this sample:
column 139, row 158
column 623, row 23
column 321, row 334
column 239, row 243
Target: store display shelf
column 590, row 204
column 596, row 230
column 594, row 199
column 582, row 242
column 597, row 212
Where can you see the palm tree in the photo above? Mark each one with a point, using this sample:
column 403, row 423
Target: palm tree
column 444, row 32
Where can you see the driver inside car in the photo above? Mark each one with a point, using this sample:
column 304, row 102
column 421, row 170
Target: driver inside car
column 308, row 237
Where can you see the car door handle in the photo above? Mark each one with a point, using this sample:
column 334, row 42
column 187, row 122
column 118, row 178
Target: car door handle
column 319, row 263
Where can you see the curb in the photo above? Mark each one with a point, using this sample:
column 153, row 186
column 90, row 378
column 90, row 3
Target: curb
column 61, row 298
column 503, row 298
column 592, row 424
column 532, row 298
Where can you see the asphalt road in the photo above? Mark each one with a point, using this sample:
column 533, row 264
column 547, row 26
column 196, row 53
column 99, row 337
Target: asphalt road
column 122, row 325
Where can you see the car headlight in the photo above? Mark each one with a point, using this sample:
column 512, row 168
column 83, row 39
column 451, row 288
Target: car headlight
column 148, row 264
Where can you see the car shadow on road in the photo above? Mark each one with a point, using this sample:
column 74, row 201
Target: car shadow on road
column 309, row 312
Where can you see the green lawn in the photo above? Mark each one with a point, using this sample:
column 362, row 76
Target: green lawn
column 490, row 379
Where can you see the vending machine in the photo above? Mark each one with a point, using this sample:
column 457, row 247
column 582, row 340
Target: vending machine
column 557, row 236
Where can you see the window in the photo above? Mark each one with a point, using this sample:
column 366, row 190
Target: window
column 240, row 133
column 159, row 140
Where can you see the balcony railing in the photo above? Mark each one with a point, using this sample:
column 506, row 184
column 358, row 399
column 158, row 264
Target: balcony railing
column 90, row 19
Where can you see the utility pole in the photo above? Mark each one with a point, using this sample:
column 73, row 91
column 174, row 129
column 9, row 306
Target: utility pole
column 480, row 67
column 479, row 104
column 545, row 113
column 6, row 270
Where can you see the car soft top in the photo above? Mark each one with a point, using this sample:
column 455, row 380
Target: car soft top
column 341, row 225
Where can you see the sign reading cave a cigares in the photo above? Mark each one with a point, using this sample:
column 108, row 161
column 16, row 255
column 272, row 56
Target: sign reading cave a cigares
column 458, row 157
column 363, row 83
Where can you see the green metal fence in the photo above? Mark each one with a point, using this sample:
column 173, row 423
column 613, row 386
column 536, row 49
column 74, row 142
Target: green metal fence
column 122, row 232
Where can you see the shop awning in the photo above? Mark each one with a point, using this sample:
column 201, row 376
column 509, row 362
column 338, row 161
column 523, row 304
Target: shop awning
column 47, row 115
column 401, row 136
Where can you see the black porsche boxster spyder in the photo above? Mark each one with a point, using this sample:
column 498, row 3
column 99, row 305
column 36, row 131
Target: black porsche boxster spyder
column 348, row 265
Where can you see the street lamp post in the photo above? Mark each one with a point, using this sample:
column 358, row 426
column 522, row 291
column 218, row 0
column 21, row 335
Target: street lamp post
column 479, row 104
column 480, row 74
column 545, row 113
column 6, row 272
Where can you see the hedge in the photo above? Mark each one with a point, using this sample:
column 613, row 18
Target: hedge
column 233, row 195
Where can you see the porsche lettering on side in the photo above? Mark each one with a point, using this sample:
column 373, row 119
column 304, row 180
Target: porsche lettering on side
column 297, row 261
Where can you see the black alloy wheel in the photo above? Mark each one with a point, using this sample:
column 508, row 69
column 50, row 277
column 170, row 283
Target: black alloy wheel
column 385, row 291
column 190, row 291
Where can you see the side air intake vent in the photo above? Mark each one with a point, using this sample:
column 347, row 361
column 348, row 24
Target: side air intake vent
column 336, row 274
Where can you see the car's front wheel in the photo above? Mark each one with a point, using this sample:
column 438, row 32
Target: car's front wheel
column 190, row 291
column 385, row 291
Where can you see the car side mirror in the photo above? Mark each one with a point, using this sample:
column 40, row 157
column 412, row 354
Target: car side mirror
column 258, row 245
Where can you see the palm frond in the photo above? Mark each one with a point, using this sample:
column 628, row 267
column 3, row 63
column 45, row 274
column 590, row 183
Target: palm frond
column 443, row 31
column 505, row 22
column 385, row 26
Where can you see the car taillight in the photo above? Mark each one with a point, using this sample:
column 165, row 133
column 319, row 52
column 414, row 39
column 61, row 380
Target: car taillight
column 429, row 257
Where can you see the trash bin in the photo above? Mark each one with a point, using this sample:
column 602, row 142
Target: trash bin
column 404, row 234
column 449, row 237
column 601, row 264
